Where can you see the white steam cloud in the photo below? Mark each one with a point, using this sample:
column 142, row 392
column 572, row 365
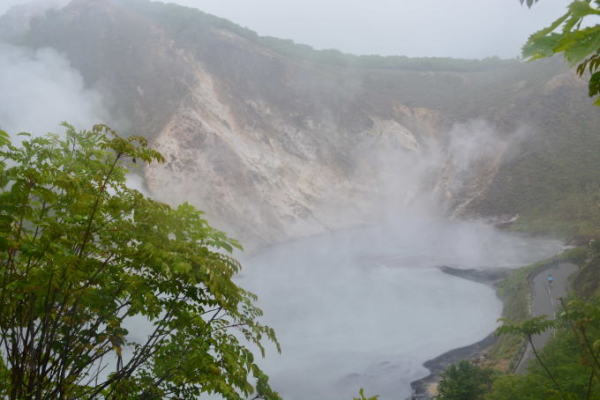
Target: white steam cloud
column 440, row 174
column 40, row 89
column 468, row 159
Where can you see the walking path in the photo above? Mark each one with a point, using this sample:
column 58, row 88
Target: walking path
column 545, row 302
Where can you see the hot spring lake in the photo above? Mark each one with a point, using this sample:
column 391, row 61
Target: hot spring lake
column 366, row 307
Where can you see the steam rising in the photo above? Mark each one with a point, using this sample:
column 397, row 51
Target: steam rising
column 439, row 175
column 40, row 90
column 472, row 150
column 359, row 308
column 365, row 308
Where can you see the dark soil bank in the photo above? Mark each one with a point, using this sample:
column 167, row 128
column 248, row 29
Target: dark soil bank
column 437, row 365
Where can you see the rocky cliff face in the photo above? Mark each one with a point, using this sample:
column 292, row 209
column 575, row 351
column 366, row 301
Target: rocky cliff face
column 274, row 146
column 268, row 175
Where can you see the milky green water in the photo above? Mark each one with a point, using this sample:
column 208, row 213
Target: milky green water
column 365, row 308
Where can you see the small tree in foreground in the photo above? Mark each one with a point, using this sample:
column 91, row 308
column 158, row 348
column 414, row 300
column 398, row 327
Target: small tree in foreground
column 81, row 254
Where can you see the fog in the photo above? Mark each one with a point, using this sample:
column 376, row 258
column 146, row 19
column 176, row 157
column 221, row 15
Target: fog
column 366, row 307
column 40, row 90
column 459, row 28
column 34, row 6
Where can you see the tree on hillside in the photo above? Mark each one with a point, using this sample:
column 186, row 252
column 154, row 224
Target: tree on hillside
column 84, row 260
column 579, row 45
column 464, row 381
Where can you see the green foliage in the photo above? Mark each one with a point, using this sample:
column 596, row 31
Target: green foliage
column 578, row 45
column 81, row 254
column 372, row 61
column 565, row 356
column 576, row 255
column 361, row 396
column 571, row 361
column 515, row 294
column 527, row 328
column 554, row 184
column 587, row 281
column 464, row 381
column 521, row 387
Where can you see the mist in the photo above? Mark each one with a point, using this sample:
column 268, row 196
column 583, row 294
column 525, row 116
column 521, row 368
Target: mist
column 415, row 28
column 462, row 28
column 366, row 307
column 433, row 176
column 363, row 307
column 33, row 6
column 40, row 90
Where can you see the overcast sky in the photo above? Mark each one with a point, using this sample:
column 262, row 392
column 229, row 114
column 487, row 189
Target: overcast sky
column 454, row 28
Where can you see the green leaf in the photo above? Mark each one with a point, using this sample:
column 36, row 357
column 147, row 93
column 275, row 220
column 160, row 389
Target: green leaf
column 551, row 28
column 594, row 84
column 529, row 327
column 4, row 138
column 5, row 222
column 541, row 47
column 361, row 396
column 182, row 267
column 580, row 9
column 580, row 44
